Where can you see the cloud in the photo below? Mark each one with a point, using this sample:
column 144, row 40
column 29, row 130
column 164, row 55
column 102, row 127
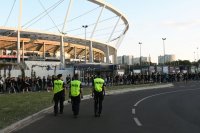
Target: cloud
column 182, row 25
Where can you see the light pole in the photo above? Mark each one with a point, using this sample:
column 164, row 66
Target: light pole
column 197, row 58
column 85, row 27
column 197, row 54
column 164, row 50
column 194, row 57
column 140, row 57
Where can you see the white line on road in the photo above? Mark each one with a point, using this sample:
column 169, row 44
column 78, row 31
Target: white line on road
column 137, row 121
column 181, row 86
column 192, row 85
column 170, row 92
column 136, row 104
column 133, row 111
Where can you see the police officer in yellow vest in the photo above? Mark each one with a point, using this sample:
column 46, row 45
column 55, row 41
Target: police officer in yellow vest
column 98, row 92
column 59, row 94
column 75, row 93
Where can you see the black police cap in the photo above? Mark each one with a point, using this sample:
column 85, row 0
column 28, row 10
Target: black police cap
column 59, row 75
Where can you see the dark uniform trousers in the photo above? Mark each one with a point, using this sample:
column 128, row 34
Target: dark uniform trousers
column 98, row 99
column 59, row 98
column 75, row 104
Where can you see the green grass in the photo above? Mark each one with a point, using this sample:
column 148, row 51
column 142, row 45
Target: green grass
column 14, row 107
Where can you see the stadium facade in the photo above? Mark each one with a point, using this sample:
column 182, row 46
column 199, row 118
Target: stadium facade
column 18, row 45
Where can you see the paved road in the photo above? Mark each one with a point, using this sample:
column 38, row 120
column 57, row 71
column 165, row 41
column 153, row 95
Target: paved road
column 167, row 110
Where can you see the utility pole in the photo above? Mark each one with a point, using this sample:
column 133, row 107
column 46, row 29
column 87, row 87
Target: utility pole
column 164, row 50
column 85, row 27
column 140, row 57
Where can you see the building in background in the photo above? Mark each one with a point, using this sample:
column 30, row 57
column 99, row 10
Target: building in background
column 119, row 60
column 130, row 60
column 144, row 60
column 168, row 58
column 125, row 59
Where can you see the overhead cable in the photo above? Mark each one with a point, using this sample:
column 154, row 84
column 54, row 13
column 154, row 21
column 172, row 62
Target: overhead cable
column 49, row 16
column 102, row 29
column 105, row 34
column 92, row 24
column 75, row 18
column 10, row 12
column 41, row 15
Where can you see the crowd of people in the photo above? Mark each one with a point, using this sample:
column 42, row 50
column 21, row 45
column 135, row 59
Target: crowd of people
column 126, row 79
column 27, row 84
column 18, row 84
column 150, row 78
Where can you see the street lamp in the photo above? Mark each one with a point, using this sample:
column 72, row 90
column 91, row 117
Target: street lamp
column 140, row 55
column 194, row 57
column 85, row 27
column 197, row 54
column 197, row 58
column 164, row 49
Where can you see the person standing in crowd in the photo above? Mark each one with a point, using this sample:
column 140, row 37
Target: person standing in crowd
column 44, row 82
column 1, row 85
column 75, row 93
column 39, row 83
column 68, row 80
column 49, row 83
column 59, row 94
column 98, row 92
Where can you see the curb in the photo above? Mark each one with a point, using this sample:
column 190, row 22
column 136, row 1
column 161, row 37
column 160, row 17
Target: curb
column 115, row 92
column 37, row 116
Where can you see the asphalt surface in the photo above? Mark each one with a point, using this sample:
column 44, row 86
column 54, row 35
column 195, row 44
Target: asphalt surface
column 167, row 110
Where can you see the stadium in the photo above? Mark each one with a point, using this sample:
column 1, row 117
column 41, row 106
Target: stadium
column 75, row 42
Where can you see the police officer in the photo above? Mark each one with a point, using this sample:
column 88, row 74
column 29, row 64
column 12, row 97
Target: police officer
column 75, row 93
column 59, row 94
column 98, row 92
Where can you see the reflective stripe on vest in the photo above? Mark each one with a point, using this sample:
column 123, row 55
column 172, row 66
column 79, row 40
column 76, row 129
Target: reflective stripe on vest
column 58, row 86
column 98, row 84
column 75, row 87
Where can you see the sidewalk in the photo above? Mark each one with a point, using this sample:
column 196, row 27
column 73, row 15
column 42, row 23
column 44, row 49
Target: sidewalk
column 37, row 116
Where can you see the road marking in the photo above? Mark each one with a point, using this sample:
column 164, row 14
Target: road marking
column 136, row 104
column 133, row 111
column 181, row 86
column 137, row 121
column 192, row 85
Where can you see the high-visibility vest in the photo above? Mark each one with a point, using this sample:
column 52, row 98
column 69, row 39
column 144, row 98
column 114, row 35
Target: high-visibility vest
column 58, row 86
column 75, row 87
column 98, row 84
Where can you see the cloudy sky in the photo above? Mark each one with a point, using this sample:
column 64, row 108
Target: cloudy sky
column 151, row 20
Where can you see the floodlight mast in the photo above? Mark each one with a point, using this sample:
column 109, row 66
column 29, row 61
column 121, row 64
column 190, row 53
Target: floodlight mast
column 62, row 49
column 164, row 50
column 18, row 31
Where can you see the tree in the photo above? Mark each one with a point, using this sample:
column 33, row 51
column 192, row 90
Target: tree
column 180, row 62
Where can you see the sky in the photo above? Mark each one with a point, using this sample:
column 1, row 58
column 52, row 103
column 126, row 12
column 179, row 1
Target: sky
column 150, row 20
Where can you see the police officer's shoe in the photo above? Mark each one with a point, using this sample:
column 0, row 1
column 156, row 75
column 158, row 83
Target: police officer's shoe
column 75, row 116
column 99, row 115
